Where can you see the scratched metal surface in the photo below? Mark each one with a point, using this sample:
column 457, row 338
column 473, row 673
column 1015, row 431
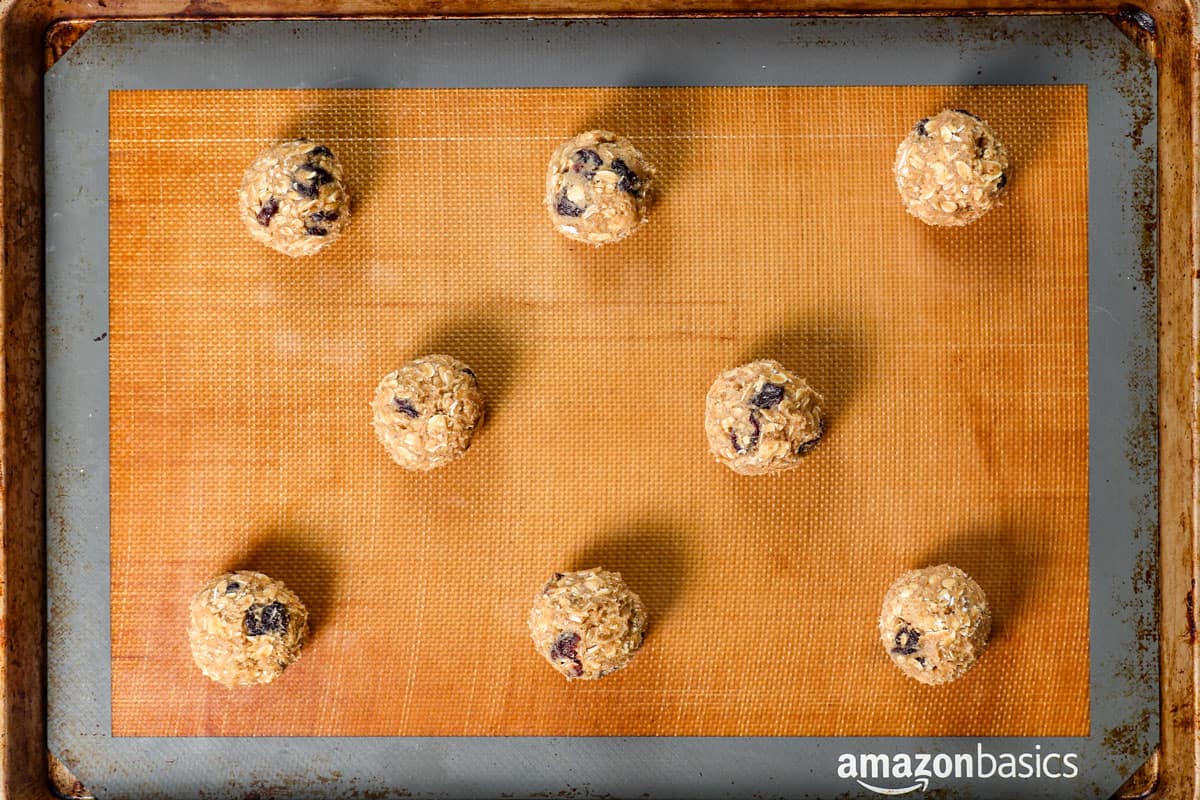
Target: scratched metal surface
column 374, row 54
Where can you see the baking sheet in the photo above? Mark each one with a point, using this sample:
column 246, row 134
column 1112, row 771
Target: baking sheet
column 681, row 747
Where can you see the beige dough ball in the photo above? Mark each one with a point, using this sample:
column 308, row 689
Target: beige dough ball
column 597, row 188
column 245, row 628
column 587, row 624
column 762, row 418
column 426, row 412
column 935, row 623
column 293, row 198
column 951, row 169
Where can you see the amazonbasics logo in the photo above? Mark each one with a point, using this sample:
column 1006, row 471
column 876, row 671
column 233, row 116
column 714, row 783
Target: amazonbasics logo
column 901, row 773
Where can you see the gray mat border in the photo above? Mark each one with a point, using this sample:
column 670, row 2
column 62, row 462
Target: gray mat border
column 377, row 54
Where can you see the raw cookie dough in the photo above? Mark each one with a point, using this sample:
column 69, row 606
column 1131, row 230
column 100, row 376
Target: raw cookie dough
column 587, row 624
column 426, row 411
column 951, row 169
column 293, row 198
column 597, row 188
column 935, row 623
column 246, row 628
column 761, row 418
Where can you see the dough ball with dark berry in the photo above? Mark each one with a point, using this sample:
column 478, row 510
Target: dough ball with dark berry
column 762, row 418
column 951, row 169
column 598, row 188
column 426, row 412
column 246, row 628
column 294, row 199
column 935, row 623
column 587, row 624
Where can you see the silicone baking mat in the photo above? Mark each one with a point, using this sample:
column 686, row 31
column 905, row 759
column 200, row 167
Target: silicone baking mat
column 954, row 363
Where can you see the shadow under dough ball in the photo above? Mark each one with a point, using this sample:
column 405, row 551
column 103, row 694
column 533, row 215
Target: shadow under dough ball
column 598, row 188
column 587, row 624
column 762, row 418
column 426, row 412
column 293, row 198
column 935, row 623
column 245, row 628
column 951, row 169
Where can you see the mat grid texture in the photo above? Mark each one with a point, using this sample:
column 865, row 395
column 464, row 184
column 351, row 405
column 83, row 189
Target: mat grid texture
column 954, row 363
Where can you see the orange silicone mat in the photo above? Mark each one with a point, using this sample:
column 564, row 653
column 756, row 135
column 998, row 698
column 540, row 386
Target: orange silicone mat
column 954, row 363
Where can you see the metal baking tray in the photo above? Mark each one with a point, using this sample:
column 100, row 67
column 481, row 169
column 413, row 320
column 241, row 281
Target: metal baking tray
column 1136, row 714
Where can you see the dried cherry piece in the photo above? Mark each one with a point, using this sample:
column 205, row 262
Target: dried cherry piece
column 564, row 646
column 566, row 208
column 586, row 162
column 306, row 190
column 267, row 211
column 806, row 448
column 907, row 640
column 320, row 175
column 754, row 435
column 564, row 649
column 264, row 619
column 310, row 187
column 629, row 181
column 753, row 443
column 768, row 396
column 405, row 406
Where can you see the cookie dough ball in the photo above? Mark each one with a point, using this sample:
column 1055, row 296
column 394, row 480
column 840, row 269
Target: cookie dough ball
column 935, row 623
column 597, row 188
column 951, row 169
column 587, row 624
column 761, row 418
column 246, row 628
column 427, row 411
column 293, row 198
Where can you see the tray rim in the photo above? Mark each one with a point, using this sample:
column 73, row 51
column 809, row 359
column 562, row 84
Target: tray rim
column 1171, row 772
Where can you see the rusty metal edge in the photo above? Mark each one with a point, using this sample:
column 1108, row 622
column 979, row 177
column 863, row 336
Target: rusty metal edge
column 23, row 767
column 25, row 30
column 62, row 35
column 1139, row 27
column 1142, row 783
column 1179, row 453
column 63, row 784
